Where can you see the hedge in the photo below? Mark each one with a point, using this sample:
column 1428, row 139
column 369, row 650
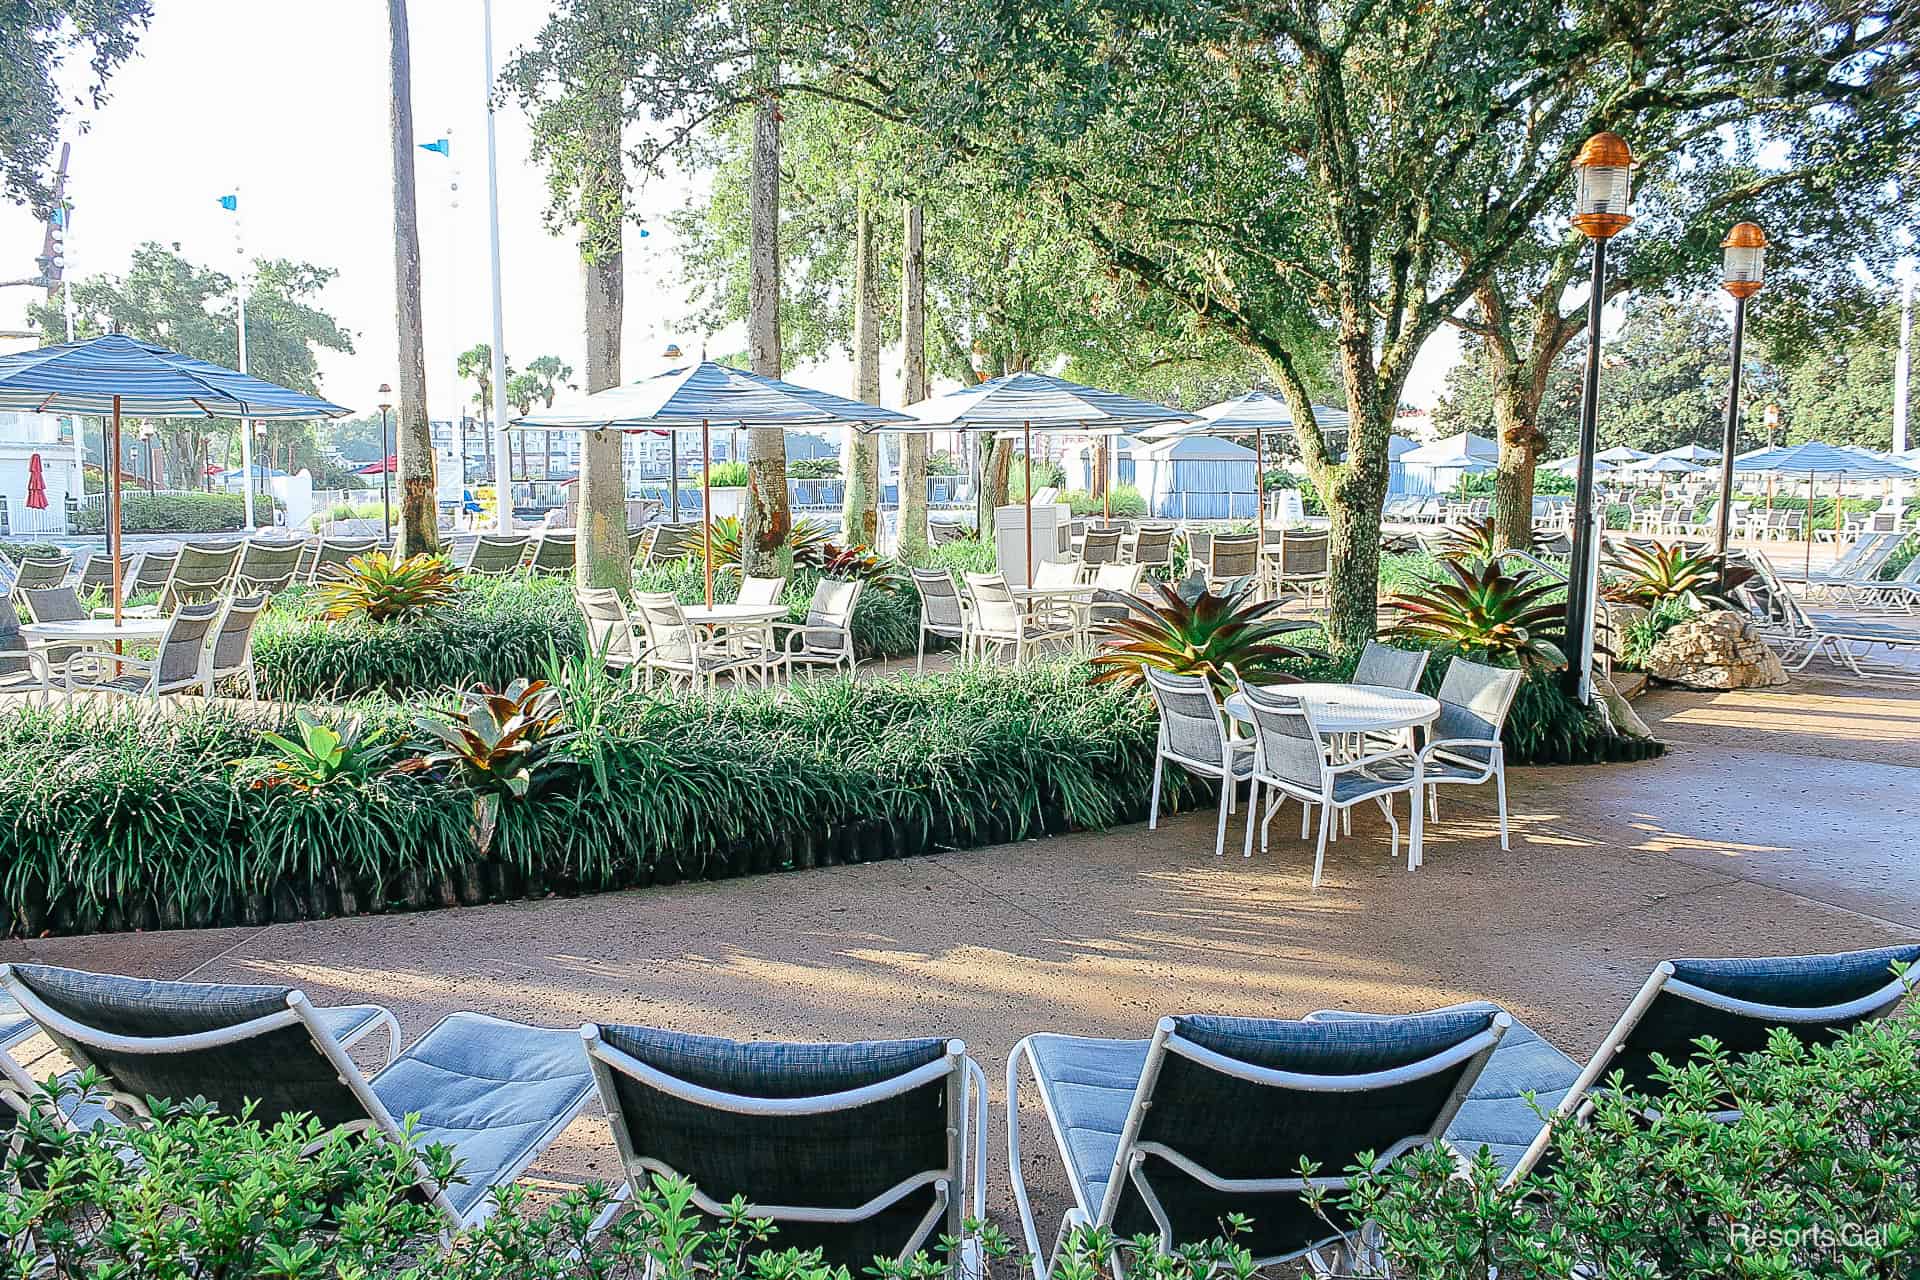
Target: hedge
column 169, row 513
column 111, row 819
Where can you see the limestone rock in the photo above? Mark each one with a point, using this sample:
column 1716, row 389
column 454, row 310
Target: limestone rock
column 1717, row 650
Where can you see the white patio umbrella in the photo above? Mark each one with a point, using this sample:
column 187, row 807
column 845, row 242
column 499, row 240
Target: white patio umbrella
column 1254, row 414
column 708, row 395
column 1691, row 452
column 1570, row 466
column 1622, row 453
column 1031, row 402
column 1816, row 458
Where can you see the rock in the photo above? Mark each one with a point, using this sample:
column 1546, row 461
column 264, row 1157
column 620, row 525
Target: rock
column 1717, row 650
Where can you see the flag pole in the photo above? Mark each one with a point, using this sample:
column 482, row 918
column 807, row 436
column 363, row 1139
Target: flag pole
column 113, row 502
column 706, row 508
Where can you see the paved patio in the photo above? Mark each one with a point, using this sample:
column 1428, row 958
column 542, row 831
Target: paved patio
column 1781, row 821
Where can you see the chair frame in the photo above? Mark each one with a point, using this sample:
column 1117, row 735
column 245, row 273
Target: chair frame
column 1130, row 1158
column 1230, row 748
column 967, row 1140
column 202, row 679
column 796, row 647
column 962, row 633
column 1032, row 632
column 1493, row 770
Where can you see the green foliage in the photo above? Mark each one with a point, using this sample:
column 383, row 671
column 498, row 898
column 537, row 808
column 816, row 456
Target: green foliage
column 1046, row 475
column 168, row 513
column 16, row 551
column 1811, row 1179
column 41, row 91
column 1225, row 638
column 495, row 744
column 967, row 555
column 1486, row 612
column 1643, row 631
column 319, row 754
column 727, row 475
column 1127, row 503
column 378, row 589
column 117, row 819
column 813, row 469
column 1649, row 575
column 807, row 541
column 492, row 631
column 1311, row 502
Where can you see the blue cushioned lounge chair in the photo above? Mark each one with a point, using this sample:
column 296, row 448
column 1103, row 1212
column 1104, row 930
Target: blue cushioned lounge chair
column 860, row 1150
column 497, row 1092
column 1738, row 1002
column 1214, row 1115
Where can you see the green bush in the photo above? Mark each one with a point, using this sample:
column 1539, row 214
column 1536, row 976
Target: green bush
column 1643, row 632
column 169, row 513
column 496, row 630
column 114, row 819
column 1814, row 1178
column 1127, row 503
column 814, row 469
column 1280, row 478
column 726, row 475
column 968, row 555
column 16, row 551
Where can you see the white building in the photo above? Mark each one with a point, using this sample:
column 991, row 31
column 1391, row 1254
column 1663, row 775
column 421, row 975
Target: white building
column 23, row 437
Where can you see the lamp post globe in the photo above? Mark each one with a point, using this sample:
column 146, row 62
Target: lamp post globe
column 1602, row 209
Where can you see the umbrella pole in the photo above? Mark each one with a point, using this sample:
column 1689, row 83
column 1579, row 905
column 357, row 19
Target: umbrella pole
column 113, row 525
column 1106, row 477
column 706, row 508
column 1806, row 531
column 673, row 475
column 1026, row 460
column 1260, row 508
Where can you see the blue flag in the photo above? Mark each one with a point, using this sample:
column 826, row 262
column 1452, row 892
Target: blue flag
column 230, row 203
column 442, row 145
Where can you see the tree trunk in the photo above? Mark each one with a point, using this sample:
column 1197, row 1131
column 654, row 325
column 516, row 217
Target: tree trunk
column 913, row 343
column 860, row 460
column 1353, row 557
column 1516, row 418
column 419, row 505
column 995, row 474
column 763, row 533
column 601, row 559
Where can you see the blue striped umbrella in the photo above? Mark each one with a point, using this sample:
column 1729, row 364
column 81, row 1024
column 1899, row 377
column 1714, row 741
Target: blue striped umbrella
column 708, row 395
column 115, row 375
column 1254, row 414
column 1817, row 458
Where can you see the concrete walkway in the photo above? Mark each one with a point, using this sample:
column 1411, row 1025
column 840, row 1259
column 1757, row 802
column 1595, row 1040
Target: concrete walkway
column 1780, row 822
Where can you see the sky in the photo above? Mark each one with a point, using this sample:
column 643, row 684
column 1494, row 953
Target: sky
column 287, row 104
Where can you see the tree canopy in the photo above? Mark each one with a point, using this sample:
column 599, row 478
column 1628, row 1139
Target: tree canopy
column 36, row 39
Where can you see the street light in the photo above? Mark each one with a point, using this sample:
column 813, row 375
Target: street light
column 263, row 463
column 1602, row 193
column 673, row 451
column 1743, row 266
column 147, row 433
column 386, row 464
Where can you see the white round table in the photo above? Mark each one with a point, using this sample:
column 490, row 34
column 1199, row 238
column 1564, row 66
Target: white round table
column 726, row 615
column 1352, row 708
column 97, row 631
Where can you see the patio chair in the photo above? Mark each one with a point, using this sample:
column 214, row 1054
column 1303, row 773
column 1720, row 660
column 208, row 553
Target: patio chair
column 553, row 555
column 231, row 654
column 1231, row 557
column 1102, row 546
column 1152, row 546
column 97, row 573
column 1000, row 622
column 39, row 572
column 54, row 604
column 1390, row 668
column 679, row 651
column 201, row 573
column 943, row 612
column 1193, row 735
column 825, row 638
column 1213, row 1116
column 496, row 557
column 1464, row 747
column 1303, row 564
column 674, row 542
column 22, row 668
column 1293, row 759
column 151, row 573
column 859, row 1150
column 330, row 554
column 761, row 591
column 611, row 637
column 497, row 1092
column 1199, row 548
column 942, row 532
column 182, row 664
column 267, row 566
column 1861, row 560
column 309, row 556
column 1112, row 584
column 1844, row 639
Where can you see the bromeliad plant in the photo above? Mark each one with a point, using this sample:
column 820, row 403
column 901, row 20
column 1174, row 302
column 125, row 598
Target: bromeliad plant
column 1217, row 636
column 1484, row 612
column 496, row 744
column 807, row 539
column 380, row 589
column 318, row 755
column 859, row 564
column 1648, row 575
column 1473, row 542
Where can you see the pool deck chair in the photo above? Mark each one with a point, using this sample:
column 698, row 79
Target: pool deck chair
column 861, row 1150
column 496, row 1092
column 1213, row 1115
column 495, row 557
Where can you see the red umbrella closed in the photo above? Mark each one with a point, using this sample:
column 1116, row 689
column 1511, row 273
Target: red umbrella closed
column 36, row 484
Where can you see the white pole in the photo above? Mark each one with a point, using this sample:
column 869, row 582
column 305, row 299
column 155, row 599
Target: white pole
column 502, row 459
column 79, row 489
column 246, row 427
column 453, row 312
column 1901, row 366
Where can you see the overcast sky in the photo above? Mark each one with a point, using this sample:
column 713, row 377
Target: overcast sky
column 288, row 103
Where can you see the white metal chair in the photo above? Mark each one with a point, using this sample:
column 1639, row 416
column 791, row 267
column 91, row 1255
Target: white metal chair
column 679, row 651
column 611, row 638
column 999, row 621
column 230, row 654
column 1465, row 750
column 1193, row 735
column 1291, row 758
column 943, row 612
column 761, row 591
column 182, row 665
column 825, row 638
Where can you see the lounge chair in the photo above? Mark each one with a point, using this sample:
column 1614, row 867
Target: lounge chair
column 553, row 555
column 331, row 554
column 674, row 542
column 943, row 612
column 859, row 1150
column 152, row 573
column 1860, row 561
column 1193, row 735
column 97, row 573
column 495, row 557
column 201, row 573
column 825, row 638
column 1213, row 1116
column 39, row 572
column 497, row 1092
column 1739, row 1002
column 268, row 566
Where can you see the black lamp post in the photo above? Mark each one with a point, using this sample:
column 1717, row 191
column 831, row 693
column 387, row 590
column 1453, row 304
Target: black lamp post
column 386, row 465
column 1743, row 266
column 147, row 433
column 263, row 463
column 673, row 451
column 1601, row 196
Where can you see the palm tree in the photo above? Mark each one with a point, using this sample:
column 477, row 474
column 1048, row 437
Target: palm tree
column 419, row 499
column 476, row 362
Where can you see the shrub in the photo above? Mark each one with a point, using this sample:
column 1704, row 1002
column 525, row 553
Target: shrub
column 380, row 589
column 813, row 469
column 17, row 551
column 492, row 631
column 1222, row 637
column 968, row 555
column 727, row 475
column 494, row 745
column 1814, row 1178
column 1651, row 575
column 169, row 513
column 1486, row 612
column 1310, row 500
column 1642, row 633
column 1127, row 503
column 117, row 820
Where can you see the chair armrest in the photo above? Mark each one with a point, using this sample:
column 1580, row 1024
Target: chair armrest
column 1378, row 757
column 93, row 659
column 1439, row 743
